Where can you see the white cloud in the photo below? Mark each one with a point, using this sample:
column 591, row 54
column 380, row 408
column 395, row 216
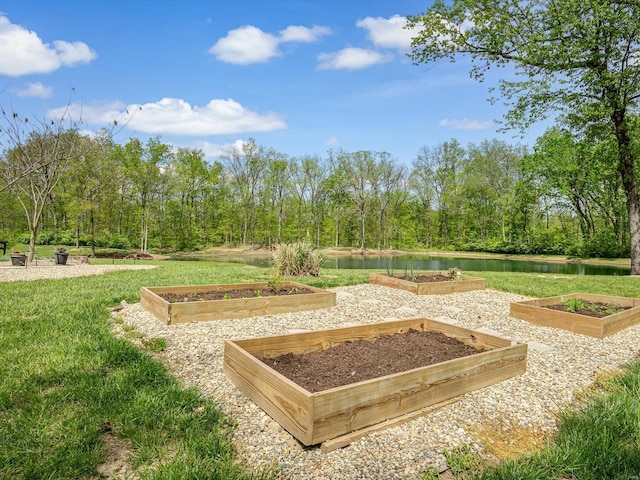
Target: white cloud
column 36, row 89
column 351, row 59
column 245, row 45
column 249, row 44
column 22, row 52
column 466, row 124
column 174, row 116
column 212, row 150
column 297, row 33
column 388, row 32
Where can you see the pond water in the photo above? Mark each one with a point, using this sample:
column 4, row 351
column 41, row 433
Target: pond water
column 422, row 262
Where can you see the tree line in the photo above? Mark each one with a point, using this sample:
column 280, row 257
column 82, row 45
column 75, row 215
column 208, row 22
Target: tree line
column 563, row 196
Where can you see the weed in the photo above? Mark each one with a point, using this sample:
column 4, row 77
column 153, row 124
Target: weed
column 462, row 462
column 226, row 296
column 257, row 293
column 430, row 474
column 294, row 290
column 155, row 344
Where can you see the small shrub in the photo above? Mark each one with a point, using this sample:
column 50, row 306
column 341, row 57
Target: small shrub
column 454, row 273
column 275, row 280
column 297, row 259
column 574, row 304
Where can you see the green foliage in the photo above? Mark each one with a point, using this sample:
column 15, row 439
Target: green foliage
column 454, row 273
column 297, row 259
column 575, row 304
column 577, row 61
column 462, row 462
column 67, row 381
column 275, row 280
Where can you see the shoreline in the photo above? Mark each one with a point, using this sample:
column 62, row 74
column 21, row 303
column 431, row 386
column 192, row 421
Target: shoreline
column 335, row 252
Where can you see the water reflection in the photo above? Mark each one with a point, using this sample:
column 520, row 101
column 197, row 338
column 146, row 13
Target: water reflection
column 421, row 262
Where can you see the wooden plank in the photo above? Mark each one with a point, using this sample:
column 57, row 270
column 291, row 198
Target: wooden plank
column 352, row 407
column 556, row 319
column 349, row 438
column 618, row 322
column 355, row 406
column 465, row 284
column 298, row 343
column 534, row 311
column 155, row 305
column 180, row 312
column 287, row 403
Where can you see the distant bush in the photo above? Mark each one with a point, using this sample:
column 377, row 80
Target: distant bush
column 297, row 259
column 119, row 241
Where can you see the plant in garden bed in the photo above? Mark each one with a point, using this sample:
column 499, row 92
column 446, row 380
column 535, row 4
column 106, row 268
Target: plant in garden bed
column 579, row 305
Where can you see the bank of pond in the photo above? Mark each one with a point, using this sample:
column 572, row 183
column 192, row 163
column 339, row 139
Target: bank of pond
column 423, row 262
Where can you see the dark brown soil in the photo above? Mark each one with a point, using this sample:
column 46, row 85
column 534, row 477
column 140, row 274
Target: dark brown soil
column 592, row 309
column 232, row 293
column 427, row 278
column 433, row 278
column 363, row 359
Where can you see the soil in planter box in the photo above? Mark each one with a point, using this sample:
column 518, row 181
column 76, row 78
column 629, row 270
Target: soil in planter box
column 229, row 294
column 591, row 309
column 363, row 359
column 433, row 278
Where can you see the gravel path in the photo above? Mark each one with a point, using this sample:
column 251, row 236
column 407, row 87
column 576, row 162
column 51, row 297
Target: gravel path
column 560, row 364
column 47, row 269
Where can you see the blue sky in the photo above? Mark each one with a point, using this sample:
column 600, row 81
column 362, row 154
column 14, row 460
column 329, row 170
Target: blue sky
column 301, row 76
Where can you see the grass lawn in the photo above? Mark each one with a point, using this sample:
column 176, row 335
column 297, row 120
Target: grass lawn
column 68, row 384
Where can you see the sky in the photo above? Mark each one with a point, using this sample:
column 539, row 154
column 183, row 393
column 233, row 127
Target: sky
column 299, row 76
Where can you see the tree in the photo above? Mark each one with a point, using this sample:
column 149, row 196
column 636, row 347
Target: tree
column 246, row 168
column 441, row 168
column 143, row 165
column 579, row 58
column 36, row 154
column 89, row 185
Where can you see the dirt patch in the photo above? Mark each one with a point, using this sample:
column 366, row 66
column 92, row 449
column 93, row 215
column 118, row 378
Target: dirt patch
column 590, row 309
column 233, row 293
column 363, row 359
column 116, row 464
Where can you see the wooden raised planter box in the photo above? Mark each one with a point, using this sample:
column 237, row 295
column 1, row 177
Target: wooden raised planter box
column 534, row 311
column 465, row 284
column 181, row 312
column 316, row 417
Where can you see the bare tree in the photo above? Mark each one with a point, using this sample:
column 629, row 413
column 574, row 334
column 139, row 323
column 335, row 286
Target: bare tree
column 35, row 153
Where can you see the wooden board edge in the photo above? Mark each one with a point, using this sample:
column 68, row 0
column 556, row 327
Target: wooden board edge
column 347, row 439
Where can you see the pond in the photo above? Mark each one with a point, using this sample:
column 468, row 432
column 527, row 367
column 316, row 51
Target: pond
column 422, row 262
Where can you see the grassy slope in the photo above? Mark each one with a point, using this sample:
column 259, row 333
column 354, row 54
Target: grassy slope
column 66, row 380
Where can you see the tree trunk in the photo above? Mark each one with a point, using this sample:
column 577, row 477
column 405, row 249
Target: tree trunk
column 32, row 242
column 93, row 233
column 627, row 172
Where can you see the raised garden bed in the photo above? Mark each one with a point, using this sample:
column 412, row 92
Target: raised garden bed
column 439, row 284
column 324, row 415
column 546, row 312
column 189, row 307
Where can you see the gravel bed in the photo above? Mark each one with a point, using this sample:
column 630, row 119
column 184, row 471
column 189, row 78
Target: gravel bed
column 47, row 269
column 560, row 365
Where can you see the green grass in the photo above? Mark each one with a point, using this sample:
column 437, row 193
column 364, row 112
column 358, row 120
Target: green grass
column 67, row 382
